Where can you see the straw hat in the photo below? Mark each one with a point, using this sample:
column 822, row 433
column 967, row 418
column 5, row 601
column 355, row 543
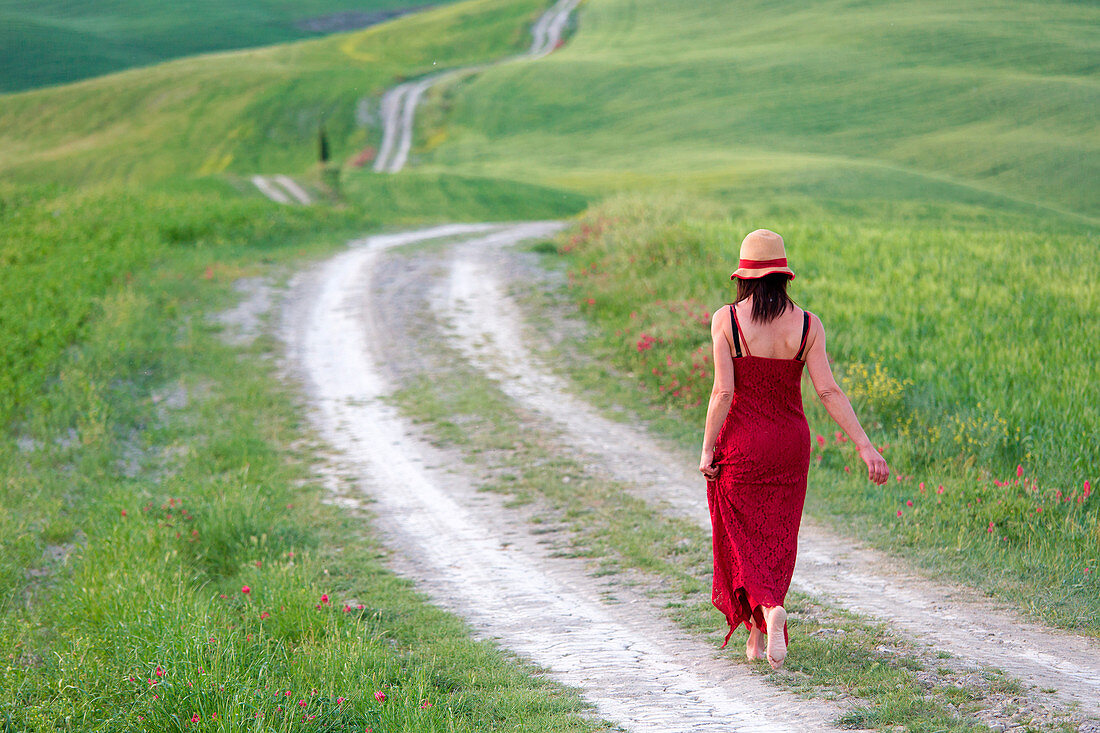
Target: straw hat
column 762, row 253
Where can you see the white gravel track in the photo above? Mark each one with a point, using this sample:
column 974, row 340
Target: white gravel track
column 638, row 671
column 472, row 556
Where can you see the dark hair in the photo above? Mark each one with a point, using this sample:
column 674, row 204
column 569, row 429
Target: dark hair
column 769, row 295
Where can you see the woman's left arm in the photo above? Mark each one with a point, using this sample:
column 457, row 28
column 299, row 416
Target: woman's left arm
column 721, row 394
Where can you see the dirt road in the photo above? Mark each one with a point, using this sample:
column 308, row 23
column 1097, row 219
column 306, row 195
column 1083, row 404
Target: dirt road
column 470, row 556
column 342, row 327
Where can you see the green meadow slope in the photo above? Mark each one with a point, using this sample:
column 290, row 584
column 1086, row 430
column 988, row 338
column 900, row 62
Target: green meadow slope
column 56, row 41
column 991, row 101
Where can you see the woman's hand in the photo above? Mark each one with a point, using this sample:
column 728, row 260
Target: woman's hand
column 706, row 465
column 877, row 468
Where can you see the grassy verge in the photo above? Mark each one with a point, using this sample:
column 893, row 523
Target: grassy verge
column 835, row 655
column 168, row 562
column 974, row 379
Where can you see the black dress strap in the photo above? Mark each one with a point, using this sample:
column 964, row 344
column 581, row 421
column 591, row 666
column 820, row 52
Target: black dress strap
column 736, row 339
column 805, row 333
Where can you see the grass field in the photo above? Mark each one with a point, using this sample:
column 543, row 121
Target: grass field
column 167, row 557
column 830, row 99
column 168, row 562
column 933, row 168
column 54, row 42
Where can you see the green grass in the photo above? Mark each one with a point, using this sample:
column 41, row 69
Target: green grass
column 991, row 103
column 55, row 42
column 963, row 372
column 149, row 473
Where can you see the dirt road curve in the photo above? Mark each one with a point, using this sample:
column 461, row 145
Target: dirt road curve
column 399, row 104
column 489, row 328
column 638, row 670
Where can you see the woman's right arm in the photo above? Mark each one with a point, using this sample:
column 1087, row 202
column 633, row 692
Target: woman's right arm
column 837, row 405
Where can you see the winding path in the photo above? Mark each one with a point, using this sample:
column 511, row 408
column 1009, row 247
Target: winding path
column 342, row 324
column 399, row 104
column 459, row 544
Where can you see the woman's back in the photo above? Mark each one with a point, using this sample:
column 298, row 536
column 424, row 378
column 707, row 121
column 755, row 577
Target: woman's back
column 780, row 338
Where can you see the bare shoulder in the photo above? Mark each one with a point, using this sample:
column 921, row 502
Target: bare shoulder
column 720, row 321
column 816, row 332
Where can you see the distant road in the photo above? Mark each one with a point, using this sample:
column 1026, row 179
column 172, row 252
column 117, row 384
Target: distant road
column 399, row 104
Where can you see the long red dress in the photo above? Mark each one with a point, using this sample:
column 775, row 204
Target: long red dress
column 763, row 454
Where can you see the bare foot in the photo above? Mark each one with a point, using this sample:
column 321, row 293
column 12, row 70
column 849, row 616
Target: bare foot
column 776, row 618
column 754, row 649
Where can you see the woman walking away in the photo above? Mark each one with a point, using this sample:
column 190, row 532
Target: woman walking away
column 756, row 443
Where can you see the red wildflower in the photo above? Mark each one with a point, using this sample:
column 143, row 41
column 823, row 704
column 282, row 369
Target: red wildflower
column 380, row 696
column 359, row 606
column 124, row 512
column 821, row 440
column 259, row 563
column 939, row 489
column 195, row 718
column 347, row 608
column 425, row 704
column 324, row 598
column 990, row 527
column 264, row 615
column 339, row 701
column 1019, row 471
column 246, row 590
column 1088, row 489
column 899, row 512
column 302, row 703
column 159, row 671
column 909, row 502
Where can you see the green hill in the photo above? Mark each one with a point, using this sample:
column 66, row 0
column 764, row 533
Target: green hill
column 991, row 101
column 246, row 111
column 58, row 41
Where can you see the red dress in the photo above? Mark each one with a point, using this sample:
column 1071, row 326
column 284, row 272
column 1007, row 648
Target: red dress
column 763, row 454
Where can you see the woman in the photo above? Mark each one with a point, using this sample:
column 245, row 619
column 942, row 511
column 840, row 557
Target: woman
column 756, row 443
